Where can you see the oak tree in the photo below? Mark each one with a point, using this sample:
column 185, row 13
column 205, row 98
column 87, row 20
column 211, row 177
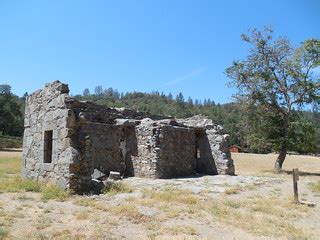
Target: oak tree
column 273, row 81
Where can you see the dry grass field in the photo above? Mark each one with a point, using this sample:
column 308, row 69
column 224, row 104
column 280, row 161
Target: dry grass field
column 264, row 163
column 256, row 204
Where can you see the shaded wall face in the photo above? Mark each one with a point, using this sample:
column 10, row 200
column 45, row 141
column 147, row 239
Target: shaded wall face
column 205, row 160
column 177, row 150
column 106, row 148
column 220, row 151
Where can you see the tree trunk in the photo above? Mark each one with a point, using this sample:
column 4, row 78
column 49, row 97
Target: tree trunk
column 279, row 162
column 284, row 147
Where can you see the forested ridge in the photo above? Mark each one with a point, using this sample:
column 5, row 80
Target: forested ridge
column 230, row 115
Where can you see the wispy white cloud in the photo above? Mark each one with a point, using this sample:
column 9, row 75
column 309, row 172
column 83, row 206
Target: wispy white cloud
column 185, row 77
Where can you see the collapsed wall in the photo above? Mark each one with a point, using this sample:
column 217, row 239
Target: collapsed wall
column 72, row 143
column 214, row 139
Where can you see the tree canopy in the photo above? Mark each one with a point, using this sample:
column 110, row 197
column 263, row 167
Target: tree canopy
column 11, row 117
column 274, row 81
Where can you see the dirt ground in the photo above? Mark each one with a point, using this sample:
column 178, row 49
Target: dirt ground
column 255, row 204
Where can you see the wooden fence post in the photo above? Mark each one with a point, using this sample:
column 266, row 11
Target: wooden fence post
column 295, row 174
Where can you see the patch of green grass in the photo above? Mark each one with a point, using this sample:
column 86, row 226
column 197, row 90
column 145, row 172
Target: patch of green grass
column 117, row 187
column 315, row 187
column 26, row 185
column 50, row 192
column 18, row 184
column 3, row 233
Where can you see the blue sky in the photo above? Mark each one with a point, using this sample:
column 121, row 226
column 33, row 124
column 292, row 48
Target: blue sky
column 161, row 45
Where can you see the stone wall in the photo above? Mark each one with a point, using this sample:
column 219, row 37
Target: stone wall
column 205, row 160
column 45, row 111
column 72, row 143
column 216, row 141
column 145, row 161
column 176, row 152
column 164, row 150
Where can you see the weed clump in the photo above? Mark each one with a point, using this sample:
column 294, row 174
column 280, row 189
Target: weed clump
column 113, row 188
column 54, row 192
column 315, row 187
column 3, row 233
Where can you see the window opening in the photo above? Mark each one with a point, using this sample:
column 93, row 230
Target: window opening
column 48, row 146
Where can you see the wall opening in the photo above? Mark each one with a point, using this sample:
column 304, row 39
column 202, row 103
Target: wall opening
column 198, row 153
column 48, row 146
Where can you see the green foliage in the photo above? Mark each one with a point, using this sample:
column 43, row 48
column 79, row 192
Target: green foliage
column 234, row 117
column 244, row 125
column 272, row 81
column 11, row 117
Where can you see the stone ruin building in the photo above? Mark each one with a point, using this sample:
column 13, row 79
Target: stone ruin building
column 72, row 143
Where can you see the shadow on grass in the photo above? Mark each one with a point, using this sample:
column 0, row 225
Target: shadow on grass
column 11, row 149
column 301, row 173
column 287, row 172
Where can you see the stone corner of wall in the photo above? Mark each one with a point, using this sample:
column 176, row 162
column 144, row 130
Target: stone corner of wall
column 58, row 86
